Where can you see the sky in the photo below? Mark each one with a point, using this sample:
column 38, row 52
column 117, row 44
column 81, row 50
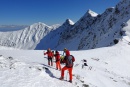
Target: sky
column 27, row 12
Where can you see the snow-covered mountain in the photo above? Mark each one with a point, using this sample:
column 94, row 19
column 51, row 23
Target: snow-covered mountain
column 27, row 38
column 51, row 40
column 91, row 31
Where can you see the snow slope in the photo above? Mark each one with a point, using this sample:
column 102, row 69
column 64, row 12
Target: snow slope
column 28, row 68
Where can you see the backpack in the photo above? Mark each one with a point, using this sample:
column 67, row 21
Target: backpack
column 69, row 61
column 62, row 59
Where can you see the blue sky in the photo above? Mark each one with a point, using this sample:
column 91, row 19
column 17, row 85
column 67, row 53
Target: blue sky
column 27, row 12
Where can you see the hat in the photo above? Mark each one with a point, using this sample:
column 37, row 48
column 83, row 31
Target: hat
column 65, row 49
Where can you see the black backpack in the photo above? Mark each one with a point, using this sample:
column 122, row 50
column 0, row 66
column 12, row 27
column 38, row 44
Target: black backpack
column 69, row 61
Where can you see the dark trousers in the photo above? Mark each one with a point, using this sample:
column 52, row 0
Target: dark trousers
column 50, row 61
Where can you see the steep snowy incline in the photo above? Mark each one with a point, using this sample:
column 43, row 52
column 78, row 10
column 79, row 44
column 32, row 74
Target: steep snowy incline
column 27, row 38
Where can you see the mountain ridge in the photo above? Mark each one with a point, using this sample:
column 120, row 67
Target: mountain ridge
column 91, row 31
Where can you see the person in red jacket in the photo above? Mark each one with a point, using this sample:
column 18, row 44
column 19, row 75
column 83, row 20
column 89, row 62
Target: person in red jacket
column 57, row 57
column 50, row 56
column 67, row 66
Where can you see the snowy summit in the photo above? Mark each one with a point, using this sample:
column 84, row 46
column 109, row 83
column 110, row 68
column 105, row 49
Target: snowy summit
column 70, row 21
column 92, row 13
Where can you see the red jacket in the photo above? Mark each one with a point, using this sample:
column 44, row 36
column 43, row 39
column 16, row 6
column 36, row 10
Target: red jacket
column 49, row 54
column 57, row 56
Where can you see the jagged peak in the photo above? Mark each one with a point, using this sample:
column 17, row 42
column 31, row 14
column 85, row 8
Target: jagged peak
column 89, row 15
column 68, row 22
column 92, row 13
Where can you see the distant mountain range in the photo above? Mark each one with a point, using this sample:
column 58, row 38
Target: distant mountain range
column 5, row 28
column 91, row 31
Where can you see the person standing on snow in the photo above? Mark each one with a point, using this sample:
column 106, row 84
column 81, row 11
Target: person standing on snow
column 68, row 60
column 57, row 57
column 50, row 56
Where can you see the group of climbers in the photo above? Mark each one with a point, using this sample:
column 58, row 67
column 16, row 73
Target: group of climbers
column 51, row 55
column 67, row 59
